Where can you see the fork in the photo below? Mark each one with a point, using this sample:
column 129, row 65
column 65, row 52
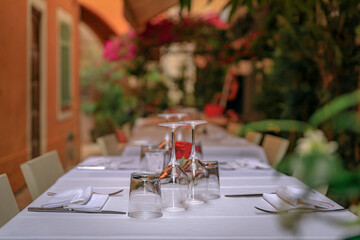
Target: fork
column 301, row 210
column 110, row 194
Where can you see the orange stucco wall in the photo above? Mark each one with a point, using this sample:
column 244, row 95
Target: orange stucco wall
column 14, row 147
column 13, row 89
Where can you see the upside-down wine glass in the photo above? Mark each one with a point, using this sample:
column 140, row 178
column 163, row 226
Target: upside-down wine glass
column 196, row 171
column 167, row 116
column 174, row 181
column 179, row 117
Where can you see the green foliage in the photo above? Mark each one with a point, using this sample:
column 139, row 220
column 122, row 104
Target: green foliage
column 209, row 81
column 111, row 107
column 316, row 168
column 347, row 121
column 155, row 91
column 185, row 4
column 315, row 56
column 334, row 108
column 273, row 125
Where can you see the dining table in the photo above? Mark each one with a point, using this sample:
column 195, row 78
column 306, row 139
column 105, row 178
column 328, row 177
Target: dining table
column 222, row 218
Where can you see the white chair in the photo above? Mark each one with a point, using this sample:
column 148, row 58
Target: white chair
column 275, row 148
column 42, row 172
column 254, row 137
column 108, row 145
column 8, row 205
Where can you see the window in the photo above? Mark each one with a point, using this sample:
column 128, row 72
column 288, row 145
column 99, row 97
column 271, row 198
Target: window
column 65, row 74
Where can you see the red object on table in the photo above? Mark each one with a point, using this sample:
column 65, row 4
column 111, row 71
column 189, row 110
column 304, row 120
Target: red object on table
column 213, row 110
column 183, row 149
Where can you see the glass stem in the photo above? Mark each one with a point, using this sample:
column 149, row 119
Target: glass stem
column 173, row 156
column 193, row 149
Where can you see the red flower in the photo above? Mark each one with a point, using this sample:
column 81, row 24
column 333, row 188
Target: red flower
column 212, row 110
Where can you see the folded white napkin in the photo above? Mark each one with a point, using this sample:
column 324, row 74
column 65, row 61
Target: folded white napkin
column 295, row 197
column 75, row 196
column 96, row 203
column 248, row 162
column 106, row 162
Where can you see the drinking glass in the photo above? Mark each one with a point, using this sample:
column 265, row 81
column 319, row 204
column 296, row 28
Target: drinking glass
column 144, row 149
column 156, row 160
column 145, row 196
column 174, row 181
column 196, row 171
column 213, row 179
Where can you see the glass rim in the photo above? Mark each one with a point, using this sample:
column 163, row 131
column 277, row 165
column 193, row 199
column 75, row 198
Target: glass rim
column 210, row 162
column 172, row 124
column 145, row 174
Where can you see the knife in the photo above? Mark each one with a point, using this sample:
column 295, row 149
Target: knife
column 103, row 168
column 245, row 195
column 70, row 210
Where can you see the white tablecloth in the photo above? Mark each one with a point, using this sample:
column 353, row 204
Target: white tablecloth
column 224, row 218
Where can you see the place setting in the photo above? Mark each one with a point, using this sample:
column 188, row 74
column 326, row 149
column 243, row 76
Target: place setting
column 240, row 163
column 109, row 163
column 287, row 199
column 80, row 200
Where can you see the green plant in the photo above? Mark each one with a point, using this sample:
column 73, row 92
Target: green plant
column 111, row 107
column 315, row 59
column 314, row 159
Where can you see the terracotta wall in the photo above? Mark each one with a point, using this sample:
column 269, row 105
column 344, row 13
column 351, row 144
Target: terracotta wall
column 14, row 148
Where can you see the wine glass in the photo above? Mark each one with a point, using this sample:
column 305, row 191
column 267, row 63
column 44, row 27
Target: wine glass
column 196, row 171
column 174, row 181
column 179, row 117
column 167, row 116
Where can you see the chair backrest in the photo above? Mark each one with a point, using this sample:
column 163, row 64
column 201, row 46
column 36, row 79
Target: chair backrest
column 254, row 137
column 275, row 148
column 233, row 127
column 8, row 205
column 127, row 130
column 42, row 172
column 108, row 145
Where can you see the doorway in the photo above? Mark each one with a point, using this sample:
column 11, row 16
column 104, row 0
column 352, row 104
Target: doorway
column 36, row 44
column 35, row 82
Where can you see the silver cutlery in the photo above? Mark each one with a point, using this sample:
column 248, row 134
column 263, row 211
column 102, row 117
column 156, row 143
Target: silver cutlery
column 245, row 195
column 227, row 168
column 110, row 194
column 100, row 167
column 70, row 210
column 300, row 210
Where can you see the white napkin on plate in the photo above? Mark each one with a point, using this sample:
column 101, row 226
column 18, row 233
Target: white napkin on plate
column 74, row 196
column 96, row 203
column 247, row 162
column 295, row 197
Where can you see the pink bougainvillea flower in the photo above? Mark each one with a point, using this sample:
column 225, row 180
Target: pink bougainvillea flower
column 111, row 50
column 213, row 19
column 121, row 47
